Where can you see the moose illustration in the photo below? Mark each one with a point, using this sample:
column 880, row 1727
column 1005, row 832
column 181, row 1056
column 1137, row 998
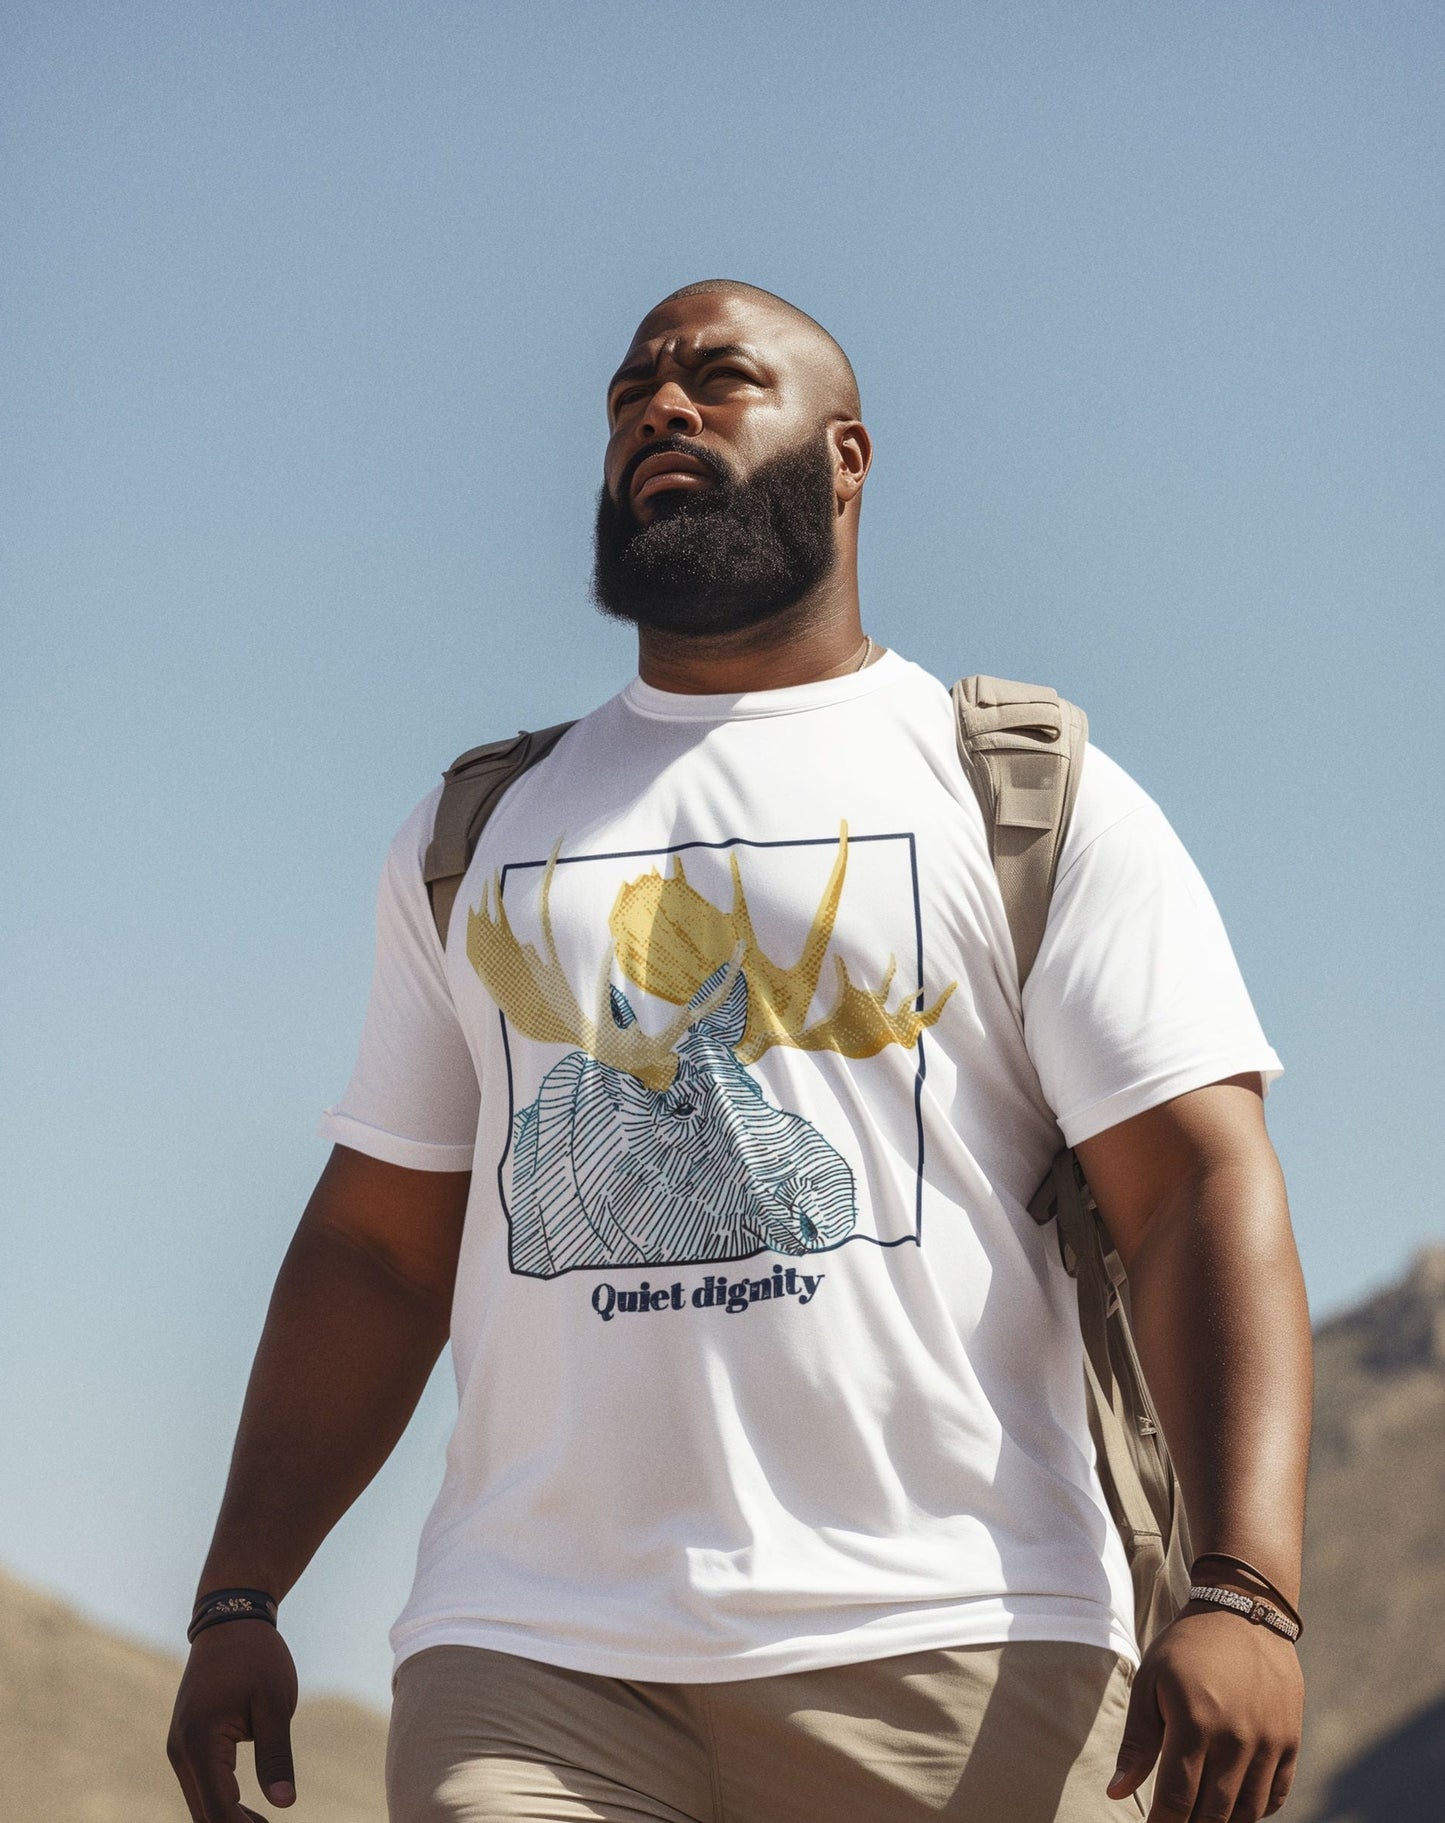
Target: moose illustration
column 607, row 1172
column 648, row 1148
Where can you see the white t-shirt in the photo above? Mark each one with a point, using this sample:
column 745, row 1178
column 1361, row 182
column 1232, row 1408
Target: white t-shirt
column 762, row 1363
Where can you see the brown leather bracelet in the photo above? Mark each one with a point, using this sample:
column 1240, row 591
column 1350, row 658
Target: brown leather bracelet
column 1260, row 1612
column 1238, row 1563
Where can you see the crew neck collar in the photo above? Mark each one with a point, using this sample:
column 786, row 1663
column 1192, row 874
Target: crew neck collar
column 796, row 699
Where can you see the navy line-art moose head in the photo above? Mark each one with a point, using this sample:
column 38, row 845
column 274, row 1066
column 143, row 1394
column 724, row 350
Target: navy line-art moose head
column 648, row 1148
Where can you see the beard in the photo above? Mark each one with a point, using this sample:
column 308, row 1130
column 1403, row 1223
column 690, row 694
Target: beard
column 721, row 558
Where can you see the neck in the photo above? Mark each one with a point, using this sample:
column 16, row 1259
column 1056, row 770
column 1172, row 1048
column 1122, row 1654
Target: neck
column 820, row 636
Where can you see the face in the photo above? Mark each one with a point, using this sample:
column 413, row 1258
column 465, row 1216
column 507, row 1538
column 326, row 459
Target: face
column 719, row 496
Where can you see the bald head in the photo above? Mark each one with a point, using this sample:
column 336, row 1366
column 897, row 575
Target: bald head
column 732, row 379
column 734, row 468
column 836, row 383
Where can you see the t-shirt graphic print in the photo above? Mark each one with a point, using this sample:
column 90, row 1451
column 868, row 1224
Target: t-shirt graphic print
column 653, row 1140
column 761, row 1361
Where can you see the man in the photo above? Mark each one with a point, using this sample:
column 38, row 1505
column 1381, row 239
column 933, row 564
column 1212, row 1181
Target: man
column 771, row 1496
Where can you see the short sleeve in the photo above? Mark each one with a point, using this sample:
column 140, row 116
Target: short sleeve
column 413, row 1096
column 1136, row 996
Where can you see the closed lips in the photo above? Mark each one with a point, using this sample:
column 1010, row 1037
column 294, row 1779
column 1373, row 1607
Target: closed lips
column 668, row 470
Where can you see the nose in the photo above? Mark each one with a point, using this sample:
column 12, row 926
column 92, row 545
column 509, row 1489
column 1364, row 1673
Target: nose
column 669, row 413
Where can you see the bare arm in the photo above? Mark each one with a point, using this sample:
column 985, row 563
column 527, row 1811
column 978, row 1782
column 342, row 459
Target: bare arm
column 357, row 1319
column 1194, row 1200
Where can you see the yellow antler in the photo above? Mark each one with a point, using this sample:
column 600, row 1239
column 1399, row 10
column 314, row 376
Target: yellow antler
column 668, row 939
column 536, row 997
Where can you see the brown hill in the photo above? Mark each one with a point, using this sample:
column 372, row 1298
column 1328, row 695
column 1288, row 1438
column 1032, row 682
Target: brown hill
column 83, row 1718
column 1374, row 1594
column 83, row 1713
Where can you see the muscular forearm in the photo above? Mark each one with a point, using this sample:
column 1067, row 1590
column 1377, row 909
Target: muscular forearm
column 1223, row 1333
column 343, row 1359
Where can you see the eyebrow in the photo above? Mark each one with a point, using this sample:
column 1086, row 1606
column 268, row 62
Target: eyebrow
column 646, row 370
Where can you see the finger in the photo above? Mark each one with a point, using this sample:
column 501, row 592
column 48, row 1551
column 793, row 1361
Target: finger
column 199, row 1762
column 176, row 1754
column 1226, row 1766
column 1280, row 1786
column 275, row 1772
column 213, row 1772
column 188, row 1789
column 214, row 1798
column 1143, row 1733
column 1181, row 1767
column 1252, row 1803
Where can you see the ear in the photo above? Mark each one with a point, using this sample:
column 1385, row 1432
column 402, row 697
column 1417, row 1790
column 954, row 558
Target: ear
column 622, row 1013
column 852, row 458
column 725, row 1022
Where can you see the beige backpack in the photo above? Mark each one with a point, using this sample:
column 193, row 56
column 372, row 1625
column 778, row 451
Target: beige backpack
column 1022, row 747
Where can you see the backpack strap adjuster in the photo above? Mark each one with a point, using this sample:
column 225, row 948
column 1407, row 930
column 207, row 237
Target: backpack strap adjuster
column 1022, row 747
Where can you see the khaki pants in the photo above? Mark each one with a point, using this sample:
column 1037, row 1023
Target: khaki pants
column 1022, row 1733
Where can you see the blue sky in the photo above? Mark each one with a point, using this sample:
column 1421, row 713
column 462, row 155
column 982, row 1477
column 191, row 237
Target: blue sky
column 307, row 312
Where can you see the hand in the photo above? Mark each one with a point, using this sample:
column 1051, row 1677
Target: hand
column 1220, row 1704
column 239, row 1685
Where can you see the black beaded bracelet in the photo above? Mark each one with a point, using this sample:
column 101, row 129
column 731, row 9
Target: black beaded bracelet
column 221, row 1605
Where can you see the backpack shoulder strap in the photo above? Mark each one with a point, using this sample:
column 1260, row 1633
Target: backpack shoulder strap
column 1135, row 1471
column 1022, row 747
column 472, row 787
